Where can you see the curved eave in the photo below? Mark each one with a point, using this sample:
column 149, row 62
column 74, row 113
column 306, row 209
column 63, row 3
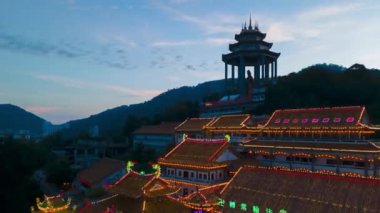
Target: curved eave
column 233, row 57
column 232, row 47
column 244, row 33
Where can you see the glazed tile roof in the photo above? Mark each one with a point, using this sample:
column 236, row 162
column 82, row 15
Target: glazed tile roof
column 131, row 185
column 300, row 192
column 196, row 152
column 307, row 145
column 229, row 121
column 194, row 124
column 165, row 128
column 100, row 170
column 325, row 118
column 158, row 187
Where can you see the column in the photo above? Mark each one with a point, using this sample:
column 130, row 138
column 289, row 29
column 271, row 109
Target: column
column 257, row 72
column 272, row 70
column 225, row 74
column 233, row 75
column 275, row 70
column 241, row 76
column 366, row 166
column 266, row 70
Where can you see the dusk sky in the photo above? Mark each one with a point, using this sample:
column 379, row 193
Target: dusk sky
column 68, row 59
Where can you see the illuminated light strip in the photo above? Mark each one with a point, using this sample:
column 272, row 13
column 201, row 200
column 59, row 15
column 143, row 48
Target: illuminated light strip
column 192, row 165
column 175, row 148
column 360, row 117
column 218, row 150
column 308, row 148
column 270, row 119
column 104, row 199
column 326, row 156
column 301, row 154
column 229, row 182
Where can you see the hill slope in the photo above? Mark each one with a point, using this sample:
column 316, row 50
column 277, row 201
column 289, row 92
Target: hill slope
column 14, row 118
column 326, row 86
column 112, row 121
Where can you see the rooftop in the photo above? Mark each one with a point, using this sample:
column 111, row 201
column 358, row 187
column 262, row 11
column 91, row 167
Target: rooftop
column 100, row 170
column 203, row 152
column 326, row 118
column 193, row 124
column 300, row 192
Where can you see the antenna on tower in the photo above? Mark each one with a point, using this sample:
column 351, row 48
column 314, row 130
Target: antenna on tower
column 250, row 22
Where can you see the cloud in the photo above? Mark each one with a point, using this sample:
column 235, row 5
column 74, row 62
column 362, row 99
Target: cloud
column 190, row 67
column 211, row 24
column 142, row 94
column 28, row 46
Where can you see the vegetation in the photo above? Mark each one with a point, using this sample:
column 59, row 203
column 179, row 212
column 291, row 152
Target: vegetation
column 326, row 86
column 18, row 161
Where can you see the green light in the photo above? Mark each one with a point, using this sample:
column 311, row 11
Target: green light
column 221, row 202
column 228, row 137
column 283, row 211
column 243, row 206
column 232, row 204
column 268, row 210
column 142, row 172
column 255, row 209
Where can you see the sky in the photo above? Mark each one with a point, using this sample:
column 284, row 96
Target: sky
column 68, row 59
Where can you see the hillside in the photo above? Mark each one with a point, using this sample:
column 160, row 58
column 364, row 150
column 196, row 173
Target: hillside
column 113, row 120
column 315, row 86
column 14, row 119
column 326, row 86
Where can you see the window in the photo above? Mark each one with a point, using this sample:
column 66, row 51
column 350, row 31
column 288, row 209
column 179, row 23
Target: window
column 172, row 172
column 186, row 174
column 295, row 121
column 212, row 176
column 337, row 120
column 325, row 120
column 204, row 176
column 286, row 121
column 277, row 121
column 220, row 175
column 314, row 120
column 330, row 161
column 304, row 120
column 179, row 173
column 350, row 119
column 200, row 176
column 192, row 174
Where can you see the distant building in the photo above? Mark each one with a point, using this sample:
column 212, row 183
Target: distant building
column 102, row 173
column 157, row 137
column 193, row 128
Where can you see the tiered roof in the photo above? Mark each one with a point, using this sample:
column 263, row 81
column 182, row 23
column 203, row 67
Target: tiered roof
column 263, row 188
column 196, row 152
column 100, row 170
column 193, row 125
column 318, row 118
column 165, row 128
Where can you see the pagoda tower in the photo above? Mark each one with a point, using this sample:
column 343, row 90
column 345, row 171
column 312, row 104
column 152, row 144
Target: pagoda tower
column 250, row 50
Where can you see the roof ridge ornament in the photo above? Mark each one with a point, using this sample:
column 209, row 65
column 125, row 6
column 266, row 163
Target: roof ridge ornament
column 245, row 25
column 257, row 25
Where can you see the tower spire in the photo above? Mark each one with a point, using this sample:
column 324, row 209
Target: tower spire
column 245, row 25
column 250, row 22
